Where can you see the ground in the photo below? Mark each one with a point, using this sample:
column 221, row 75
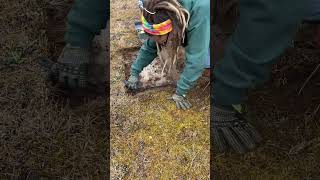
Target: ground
column 150, row 137
column 41, row 135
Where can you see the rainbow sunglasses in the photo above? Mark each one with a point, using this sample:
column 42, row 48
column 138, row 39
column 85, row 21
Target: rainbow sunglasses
column 156, row 29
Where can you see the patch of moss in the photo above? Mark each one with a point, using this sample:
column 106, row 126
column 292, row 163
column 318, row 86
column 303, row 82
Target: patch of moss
column 175, row 142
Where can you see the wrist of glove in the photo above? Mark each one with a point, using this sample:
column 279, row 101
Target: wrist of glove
column 231, row 130
column 181, row 101
column 71, row 69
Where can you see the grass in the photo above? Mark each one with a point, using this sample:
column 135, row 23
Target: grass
column 41, row 134
column 150, row 138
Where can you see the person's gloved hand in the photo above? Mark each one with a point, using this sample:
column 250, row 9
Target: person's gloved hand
column 231, row 130
column 181, row 101
column 72, row 67
column 132, row 82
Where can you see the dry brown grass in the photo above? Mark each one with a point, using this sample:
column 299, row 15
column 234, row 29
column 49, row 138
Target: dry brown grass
column 40, row 133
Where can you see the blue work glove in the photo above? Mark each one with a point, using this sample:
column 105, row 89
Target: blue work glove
column 181, row 101
column 132, row 82
column 230, row 129
column 72, row 67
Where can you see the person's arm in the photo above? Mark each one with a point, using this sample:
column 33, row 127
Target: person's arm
column 264, row 30
column 85, row 20
column 198, row 36
column 146, row 55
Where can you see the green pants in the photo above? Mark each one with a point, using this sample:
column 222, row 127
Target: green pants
column 85, row 20
column 265, row 29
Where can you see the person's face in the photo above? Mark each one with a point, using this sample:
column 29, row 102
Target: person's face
column 160, row 39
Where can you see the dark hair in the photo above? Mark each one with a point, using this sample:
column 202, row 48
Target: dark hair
column 168, row 9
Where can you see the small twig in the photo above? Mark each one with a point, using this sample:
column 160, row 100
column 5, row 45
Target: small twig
column 314, row 113
column 316, row 110
column 308, row 79
column 206, row 86
column 7, row 98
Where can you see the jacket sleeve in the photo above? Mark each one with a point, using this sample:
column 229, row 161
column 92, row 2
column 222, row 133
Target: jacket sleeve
column 198, row 35
column 146, row 55
column 85, row 20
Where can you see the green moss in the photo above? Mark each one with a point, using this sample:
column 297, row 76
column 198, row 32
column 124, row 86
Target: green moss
column 176, row 142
